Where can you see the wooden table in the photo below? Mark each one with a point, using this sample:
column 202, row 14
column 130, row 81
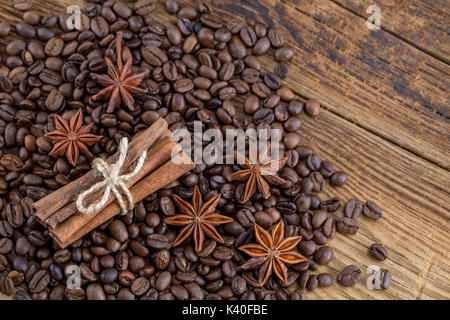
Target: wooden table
column 385, row 120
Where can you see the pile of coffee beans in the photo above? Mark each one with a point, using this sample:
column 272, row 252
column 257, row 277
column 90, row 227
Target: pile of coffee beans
column 201, row 68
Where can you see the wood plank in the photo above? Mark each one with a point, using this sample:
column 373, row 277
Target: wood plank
column 425, row 24
column 368, row 77
column 412, row 192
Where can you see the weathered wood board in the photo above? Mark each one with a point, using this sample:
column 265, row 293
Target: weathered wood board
column 385, row 120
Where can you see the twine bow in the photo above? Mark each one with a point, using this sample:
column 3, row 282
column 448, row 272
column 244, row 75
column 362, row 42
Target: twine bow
column 113, row 181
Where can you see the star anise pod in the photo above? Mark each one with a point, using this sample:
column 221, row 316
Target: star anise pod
column 259, row 171
column 70, row 138
column 272, row 252
column 121, row 84
column 199, row 219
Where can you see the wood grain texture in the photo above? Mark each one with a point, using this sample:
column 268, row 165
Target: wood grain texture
column 424, row 24
column 382, row 99
column 368, row 77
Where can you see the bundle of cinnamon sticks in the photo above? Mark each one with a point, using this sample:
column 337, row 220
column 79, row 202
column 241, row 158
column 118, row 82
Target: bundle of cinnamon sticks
column 58, row 210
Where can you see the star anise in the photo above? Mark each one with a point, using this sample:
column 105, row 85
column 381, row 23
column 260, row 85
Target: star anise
column 70, row 138
column 272, row 253
column 199, row 219
column 121, row 84
column 259, row 171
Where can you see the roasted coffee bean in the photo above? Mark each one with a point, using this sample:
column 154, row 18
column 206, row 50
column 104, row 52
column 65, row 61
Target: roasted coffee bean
column 324, row 280
column 319, row 218
column 329, row 227
column 349, row 276
column 154, row 55
column 6, row 285
column 25, row 30
column 6, row 246
column 261, row 46
column 39, row 281
column 378, row 252
column 385, row 278
column 248, row 36
column 330, row 205
column 307, row 247
column 353, row 208
column 237, row 48
column 303, row 202
column 282, row 70
column 157, row 241
column 286, row 207
column 272, row 80
column 183, row 85
column 54, row 101
column 276, row 38
column 347, row 225
column 372, row 211
column 22, row 5
column 118, row 230
column 323, row 255
column 312, row 283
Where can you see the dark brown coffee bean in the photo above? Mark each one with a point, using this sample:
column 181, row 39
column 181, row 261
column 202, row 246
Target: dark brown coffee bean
column 353, row 208
column 144, row 7
column 6, row 245
column 272, row 80
column 319, row 218
column 323, row 255
column 276, row 38
column 326, row 169
column 338, row 179
column 157, row 241
column 248, row 36
column 324, row 280
column 307, row 247
column 6, row 286
column 349, row 276
column 22, row 5
column 385, row 278
column 170, row 71
column 50, row 77
column 284, row 54
column 347, row 225
column 312, row 283
column 372, row 211
column 261, row 46
column 163, row 280
column 378, row 252
column 183, row 85
column 237, row 48
column 53, row 47
column 330, row 205
column 312, row 107
column 54, row 101
column 122, row 9
column 25, row 30
column 95, row 291
column 39, row 281
column 282, row 70
column 118, row 230
column 329, row 227
column 154, row 55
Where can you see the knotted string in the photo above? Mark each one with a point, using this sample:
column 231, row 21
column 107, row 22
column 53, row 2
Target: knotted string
column 112, row 182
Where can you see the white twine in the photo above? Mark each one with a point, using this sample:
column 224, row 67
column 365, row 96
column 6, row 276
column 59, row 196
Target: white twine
column 112, row 182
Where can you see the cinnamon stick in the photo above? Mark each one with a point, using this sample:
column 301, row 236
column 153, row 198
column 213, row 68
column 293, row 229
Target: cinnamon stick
column 78, row 225
column 47, row 206
column 157, row 155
